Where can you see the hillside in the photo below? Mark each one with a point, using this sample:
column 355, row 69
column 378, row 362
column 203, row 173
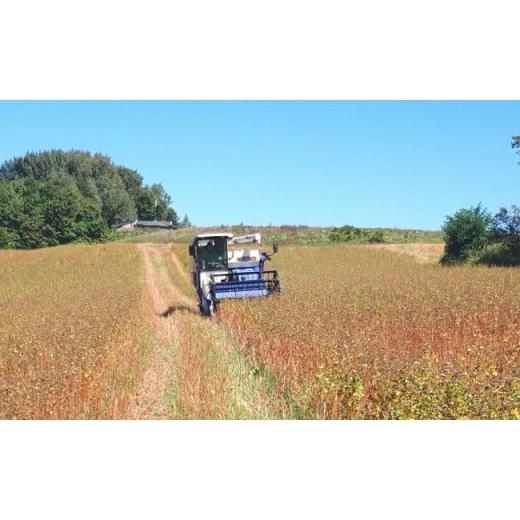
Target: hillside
column 295, row 235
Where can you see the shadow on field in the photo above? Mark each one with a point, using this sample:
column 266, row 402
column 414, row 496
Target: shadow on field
column 177, row 308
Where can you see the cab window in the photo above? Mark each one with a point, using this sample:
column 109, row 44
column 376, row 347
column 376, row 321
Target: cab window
column 212, row 254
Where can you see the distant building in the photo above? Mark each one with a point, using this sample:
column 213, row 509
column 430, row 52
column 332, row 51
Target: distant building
column 129, row 225
column 164, row 224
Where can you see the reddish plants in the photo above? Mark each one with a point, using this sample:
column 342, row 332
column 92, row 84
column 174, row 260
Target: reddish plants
column 363, row 333
column 71, row 331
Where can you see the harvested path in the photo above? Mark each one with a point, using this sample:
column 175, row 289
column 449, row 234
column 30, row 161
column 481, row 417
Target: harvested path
column 195, row 367
column 421, row 252
column 150, row 396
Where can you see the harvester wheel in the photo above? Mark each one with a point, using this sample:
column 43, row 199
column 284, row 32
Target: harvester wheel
column 207, row 307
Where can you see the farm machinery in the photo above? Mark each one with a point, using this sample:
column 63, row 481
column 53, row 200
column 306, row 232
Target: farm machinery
column 222, row 272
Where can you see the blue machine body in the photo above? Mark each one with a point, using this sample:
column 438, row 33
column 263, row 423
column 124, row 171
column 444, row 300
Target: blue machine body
column 246, row 282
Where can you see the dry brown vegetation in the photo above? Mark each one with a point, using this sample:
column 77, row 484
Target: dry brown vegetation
column 113, row 331
column 73, row 331
column 197, row 370
column 424, row 253
column 363, row 333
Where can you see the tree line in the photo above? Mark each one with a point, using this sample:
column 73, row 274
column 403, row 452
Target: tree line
column 56, row 197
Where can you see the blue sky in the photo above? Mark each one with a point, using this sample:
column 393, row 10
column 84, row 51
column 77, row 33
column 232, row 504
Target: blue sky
column 380, row 163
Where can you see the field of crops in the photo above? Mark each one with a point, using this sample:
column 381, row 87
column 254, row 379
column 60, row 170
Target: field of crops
column 358, row 332
column 72, row 331
column 362, row 332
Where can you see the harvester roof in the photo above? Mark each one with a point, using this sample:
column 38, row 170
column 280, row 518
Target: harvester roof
column 216, row 235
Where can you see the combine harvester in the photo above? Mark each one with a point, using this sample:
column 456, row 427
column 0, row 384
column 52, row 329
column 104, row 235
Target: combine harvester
column 221, row 273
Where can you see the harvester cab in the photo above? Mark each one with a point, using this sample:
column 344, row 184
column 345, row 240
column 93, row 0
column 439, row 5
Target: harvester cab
column 222, row 271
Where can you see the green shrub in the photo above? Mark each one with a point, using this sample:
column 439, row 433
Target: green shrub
column 505, row 236
column 376, row 237
column 7, row 238
column 345, row 234
column 500, row 254
column 467, row 234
